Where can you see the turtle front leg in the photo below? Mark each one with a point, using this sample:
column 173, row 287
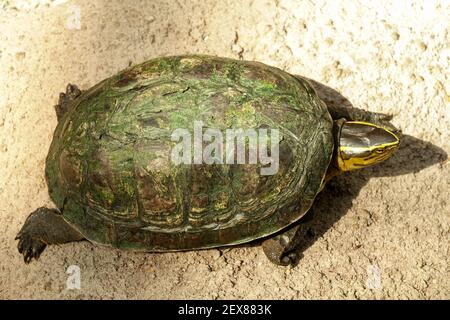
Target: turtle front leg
column 43, row 227
column 355, row 114
column 66, row 99
column 284, row 249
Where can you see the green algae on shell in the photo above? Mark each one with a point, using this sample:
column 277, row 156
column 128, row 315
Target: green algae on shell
column 109, row 167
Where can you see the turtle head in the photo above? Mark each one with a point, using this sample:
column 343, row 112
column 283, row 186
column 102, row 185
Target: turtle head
column 362, row 144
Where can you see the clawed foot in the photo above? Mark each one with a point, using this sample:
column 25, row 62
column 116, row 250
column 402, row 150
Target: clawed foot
column 290, row 259
column 383, row 120
column 285, row 249
column 43, row 227
column 280, row 251
column 65, row 99
column 28, row 246
column 382, row 117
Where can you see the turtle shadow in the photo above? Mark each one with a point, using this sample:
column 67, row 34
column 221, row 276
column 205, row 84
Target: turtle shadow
column 335, row 200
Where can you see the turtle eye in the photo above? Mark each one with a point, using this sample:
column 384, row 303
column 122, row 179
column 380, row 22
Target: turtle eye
column 379, row 150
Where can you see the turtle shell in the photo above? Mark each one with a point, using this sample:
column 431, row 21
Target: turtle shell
column 109, row 167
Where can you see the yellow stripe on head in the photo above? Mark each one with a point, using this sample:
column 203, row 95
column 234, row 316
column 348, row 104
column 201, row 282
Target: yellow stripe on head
column 362, row 144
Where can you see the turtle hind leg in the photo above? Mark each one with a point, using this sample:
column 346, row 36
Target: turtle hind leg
column 284, row 249
column 43, row 227
column 66, row 99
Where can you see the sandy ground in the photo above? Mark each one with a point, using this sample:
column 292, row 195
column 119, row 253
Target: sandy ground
column 378, row 233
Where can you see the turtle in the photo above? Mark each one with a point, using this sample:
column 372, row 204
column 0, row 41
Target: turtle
column 112, row 177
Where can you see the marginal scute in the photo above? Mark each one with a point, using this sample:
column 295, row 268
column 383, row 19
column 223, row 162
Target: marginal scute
column 70, row 169
column 109, row 167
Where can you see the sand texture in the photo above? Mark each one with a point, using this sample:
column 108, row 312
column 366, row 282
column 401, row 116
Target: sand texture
column 379, row 233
